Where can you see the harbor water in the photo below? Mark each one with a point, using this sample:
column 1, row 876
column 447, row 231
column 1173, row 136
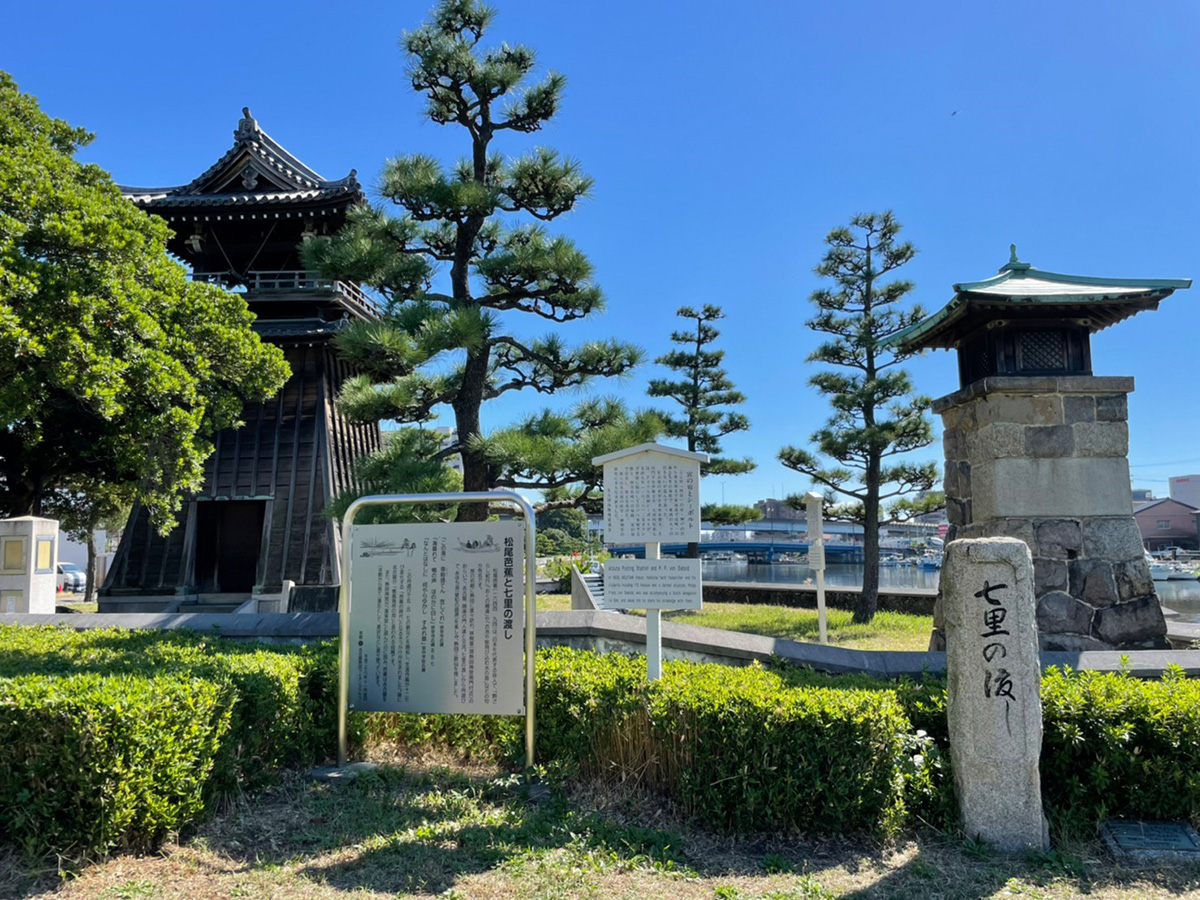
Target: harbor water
column 1181, row 596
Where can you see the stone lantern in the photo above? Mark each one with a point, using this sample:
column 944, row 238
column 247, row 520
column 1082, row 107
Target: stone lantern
column 1036, row 446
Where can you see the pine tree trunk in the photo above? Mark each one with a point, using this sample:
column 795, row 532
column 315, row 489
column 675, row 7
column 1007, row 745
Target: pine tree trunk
column 868, row 601
column 466, row 420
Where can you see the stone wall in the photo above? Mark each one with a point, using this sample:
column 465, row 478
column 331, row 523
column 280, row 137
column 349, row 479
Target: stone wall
column 1044, row 459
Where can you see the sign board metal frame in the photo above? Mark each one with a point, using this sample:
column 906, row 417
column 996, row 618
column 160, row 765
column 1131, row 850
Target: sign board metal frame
column 345, row 595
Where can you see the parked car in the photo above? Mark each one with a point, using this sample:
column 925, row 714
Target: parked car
column 71, row 579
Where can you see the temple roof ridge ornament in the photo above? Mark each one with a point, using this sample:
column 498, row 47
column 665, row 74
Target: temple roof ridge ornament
column 256, row 169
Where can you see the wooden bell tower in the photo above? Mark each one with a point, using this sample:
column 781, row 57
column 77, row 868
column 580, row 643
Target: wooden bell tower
column 258, row 527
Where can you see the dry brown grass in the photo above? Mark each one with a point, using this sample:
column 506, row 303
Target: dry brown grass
column 420, row 830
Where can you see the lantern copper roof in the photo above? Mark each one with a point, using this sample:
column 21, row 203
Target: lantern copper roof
column 1021, row 292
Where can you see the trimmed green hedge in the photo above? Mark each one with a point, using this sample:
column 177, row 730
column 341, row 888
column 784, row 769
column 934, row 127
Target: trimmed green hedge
column 95, row 762
column 277, row 707
column 115, row 738
column 739, row 748
column 1114, row 745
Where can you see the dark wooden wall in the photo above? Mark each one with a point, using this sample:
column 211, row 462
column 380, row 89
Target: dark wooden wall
column 294, row 453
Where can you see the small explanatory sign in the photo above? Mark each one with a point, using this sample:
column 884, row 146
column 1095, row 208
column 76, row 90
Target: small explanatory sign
column 652, row 584
column 436, row 618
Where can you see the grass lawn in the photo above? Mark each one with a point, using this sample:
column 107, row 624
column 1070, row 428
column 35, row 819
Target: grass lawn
column 421, row 831
column 887, row 631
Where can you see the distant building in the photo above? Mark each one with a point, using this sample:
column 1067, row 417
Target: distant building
column 1167, row 523
column 778, row 509
column 1142, row 495
column 448, row 437
column 1185, row 489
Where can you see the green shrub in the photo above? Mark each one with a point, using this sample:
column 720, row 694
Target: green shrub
column 93, row 762
column 283, row 702
column 1116, row 746
column 278, row 708
column 738, row 748
column 490, row 738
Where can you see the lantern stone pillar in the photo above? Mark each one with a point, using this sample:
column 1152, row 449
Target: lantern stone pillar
column 1044, row 459
column 1037, row 446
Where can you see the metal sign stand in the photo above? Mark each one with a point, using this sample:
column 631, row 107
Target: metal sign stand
column 344, row 598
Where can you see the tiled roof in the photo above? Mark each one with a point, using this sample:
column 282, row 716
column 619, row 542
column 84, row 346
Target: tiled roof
column 260, row 170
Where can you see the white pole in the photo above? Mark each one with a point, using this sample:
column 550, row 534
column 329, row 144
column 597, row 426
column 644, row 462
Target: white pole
column 653, row 628
column 823, row 636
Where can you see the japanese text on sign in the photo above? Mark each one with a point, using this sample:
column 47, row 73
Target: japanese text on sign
column 433, row 612
column 651, row 498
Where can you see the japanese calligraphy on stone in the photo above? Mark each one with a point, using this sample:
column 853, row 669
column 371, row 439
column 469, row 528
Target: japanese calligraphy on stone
column 997, row 680
column 651, row 497
column 437, row 618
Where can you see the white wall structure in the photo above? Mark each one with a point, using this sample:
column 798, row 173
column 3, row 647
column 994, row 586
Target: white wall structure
column 1186, row 489
column 28, row 560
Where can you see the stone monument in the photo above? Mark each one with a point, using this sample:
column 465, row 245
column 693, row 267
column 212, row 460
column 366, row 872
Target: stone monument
column 1036, row 446
column 993, row 691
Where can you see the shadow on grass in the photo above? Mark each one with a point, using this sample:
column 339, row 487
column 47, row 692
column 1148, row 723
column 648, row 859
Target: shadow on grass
column 392, row 832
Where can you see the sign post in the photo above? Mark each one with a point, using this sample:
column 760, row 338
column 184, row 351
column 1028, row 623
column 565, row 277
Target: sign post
column 430, row 614
column 816, row 555
column 651, row 497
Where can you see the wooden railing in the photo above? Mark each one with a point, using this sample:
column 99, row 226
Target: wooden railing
column 289, row 281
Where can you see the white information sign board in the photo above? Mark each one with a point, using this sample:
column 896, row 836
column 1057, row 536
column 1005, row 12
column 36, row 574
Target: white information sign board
column 436, row 618
column 651, row 497
column 652, row 584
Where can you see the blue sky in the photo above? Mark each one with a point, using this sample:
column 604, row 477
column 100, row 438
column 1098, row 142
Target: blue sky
column 726, row 140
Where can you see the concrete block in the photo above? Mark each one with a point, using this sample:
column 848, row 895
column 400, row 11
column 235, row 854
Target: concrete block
column 1028, row 409
column 1101, row 439
column 1059, row 538
column 1130, row 623
column 997, row 441
column 1059, row 612
column 1049, row 441
column 1092, row 581
column 1133, row 579
column 954, row 444
column 1079, row 408
column 1112, row 408
column 1049, row 575
column 1056, row 488
column 1075, row 643
column 1112, row 538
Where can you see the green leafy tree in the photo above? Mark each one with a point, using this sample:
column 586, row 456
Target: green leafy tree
column 876, row 416
column 552, row 452
column 84, row 505
column 113, row 366
column 705, row 393
column 455, row 347
column 572, row 522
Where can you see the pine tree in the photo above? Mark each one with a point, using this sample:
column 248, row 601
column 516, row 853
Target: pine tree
column 450, row 348
column 704, row 392
column 876, row 415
